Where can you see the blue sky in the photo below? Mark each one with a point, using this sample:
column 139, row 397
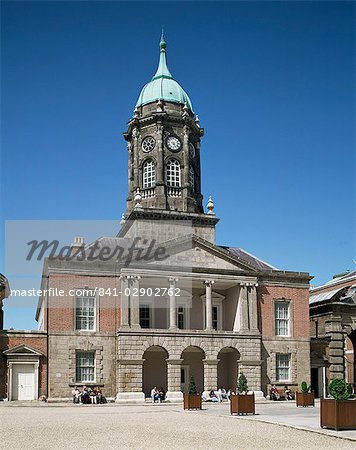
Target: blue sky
column 272, row 82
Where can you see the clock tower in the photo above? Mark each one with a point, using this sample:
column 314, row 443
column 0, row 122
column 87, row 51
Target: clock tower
column 163, row 142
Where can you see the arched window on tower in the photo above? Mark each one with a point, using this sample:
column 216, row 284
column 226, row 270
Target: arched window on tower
column 191, row 179
column 148, row 174
column 173, row 173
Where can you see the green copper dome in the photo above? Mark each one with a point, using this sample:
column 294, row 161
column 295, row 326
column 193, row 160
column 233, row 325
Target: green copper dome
column 163, row 86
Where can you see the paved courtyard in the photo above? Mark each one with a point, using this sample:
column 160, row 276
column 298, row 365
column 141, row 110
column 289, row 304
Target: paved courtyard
column 43, row 426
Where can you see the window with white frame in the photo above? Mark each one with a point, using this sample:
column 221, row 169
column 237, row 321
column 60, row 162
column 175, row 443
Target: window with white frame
column 85, row 367
column 283, row 367
column 191, row 179
column 145, row 316
column 85, row 311
column 173, row 173
column 281, row 314
column 148, row 174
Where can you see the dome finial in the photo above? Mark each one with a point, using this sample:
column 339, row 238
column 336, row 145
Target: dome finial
column 162, row 44
column 162, row 70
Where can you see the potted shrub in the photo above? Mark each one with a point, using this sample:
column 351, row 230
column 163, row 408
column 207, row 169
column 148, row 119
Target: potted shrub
column 242, row 402
column 306, row 397
column 192, row 400
column 339, row 412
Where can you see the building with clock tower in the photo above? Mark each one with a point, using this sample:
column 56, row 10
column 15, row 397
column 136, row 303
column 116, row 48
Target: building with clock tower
column 209, row 311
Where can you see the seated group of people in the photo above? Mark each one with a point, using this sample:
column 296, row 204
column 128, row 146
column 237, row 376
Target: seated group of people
column 275, row 395
column 217, row 396
column 88, row 395
column 158, row 395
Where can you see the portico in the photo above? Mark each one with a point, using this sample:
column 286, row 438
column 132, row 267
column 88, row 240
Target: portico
column 201, row 326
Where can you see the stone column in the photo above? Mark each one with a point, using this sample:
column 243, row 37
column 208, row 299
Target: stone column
column 174, row 392
column 253, row 311
column 210, row 374
column 135, row 301
column 130, row 170
column 160, row 194
column 10, row 394
column 36, row 367
column 185, row 168
column 172, row 304
column 160, row 165
column 252, row 370
column 333, row 328
column 124, row 305
column 136, row 151
column 243, row 308
column 130, row 381
column 208, row 305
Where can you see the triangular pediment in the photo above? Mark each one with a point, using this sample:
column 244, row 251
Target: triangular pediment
column 196, row 252
column 22, row 350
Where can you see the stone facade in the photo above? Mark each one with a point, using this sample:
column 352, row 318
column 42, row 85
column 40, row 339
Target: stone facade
column 333, row 331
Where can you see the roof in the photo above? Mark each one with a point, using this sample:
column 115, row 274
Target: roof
column 249, row 258
column 163, row 86
column 323, row 296
column 342, row 279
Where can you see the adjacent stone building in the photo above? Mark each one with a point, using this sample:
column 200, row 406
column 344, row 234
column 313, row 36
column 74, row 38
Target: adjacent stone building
column 333, row 331
column 131, row 322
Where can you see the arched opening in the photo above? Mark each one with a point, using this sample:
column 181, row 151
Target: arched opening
column 148, row 174
column 228, row 368
column 350, row 364
column 192, row 364
column 154, row 369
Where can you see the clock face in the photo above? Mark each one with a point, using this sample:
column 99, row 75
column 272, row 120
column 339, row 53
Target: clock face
column 191, row 150
column 173, row 143
column 148, row 144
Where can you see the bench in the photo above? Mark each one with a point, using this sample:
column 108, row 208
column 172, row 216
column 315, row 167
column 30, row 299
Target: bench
column 281, row 394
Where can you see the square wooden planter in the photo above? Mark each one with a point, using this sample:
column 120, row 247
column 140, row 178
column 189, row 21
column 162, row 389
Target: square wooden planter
column 192, row 401
column 338, row 414
column 242, row 404
column 305, row 399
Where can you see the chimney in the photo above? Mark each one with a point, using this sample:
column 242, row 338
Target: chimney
column 77, row 244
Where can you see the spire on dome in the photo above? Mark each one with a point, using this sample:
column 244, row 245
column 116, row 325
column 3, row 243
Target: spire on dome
column 162, row 44
column 162, row 70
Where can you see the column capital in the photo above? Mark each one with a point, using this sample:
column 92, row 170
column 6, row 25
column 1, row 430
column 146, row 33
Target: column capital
column 209, row 282
column 173, row 279
column 126, row 277
column 174, row 361
column 211, row 362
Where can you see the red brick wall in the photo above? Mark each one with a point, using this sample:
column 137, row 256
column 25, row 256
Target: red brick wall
column 300, row 308
column 9, row 339
column 61, row 309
